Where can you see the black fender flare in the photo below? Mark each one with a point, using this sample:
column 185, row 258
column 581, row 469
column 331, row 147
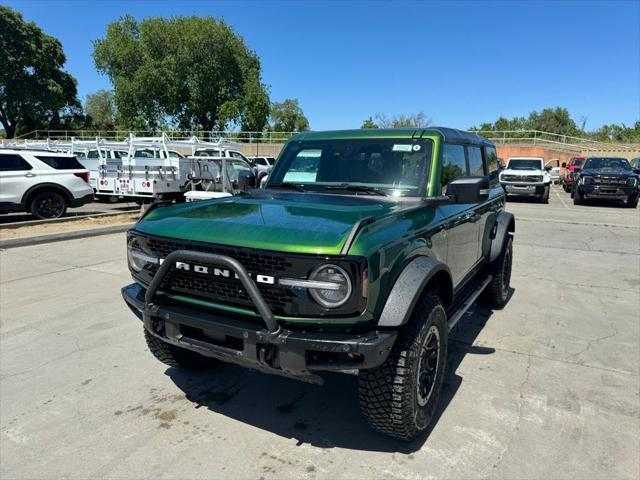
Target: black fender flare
column 409, row 286
column 28, row 195
column 505, row 226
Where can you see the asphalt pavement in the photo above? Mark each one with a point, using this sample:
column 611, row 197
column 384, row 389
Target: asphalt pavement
column 548, row 387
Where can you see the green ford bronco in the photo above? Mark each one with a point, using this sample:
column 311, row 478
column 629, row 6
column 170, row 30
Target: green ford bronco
column 361, row 253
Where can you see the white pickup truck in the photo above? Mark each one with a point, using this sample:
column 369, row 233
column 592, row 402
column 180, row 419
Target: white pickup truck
column 527, row 176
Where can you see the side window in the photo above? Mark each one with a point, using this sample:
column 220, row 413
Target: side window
column 493, row 167
column 476, row 168
column 453, row 164
column 93, row 154
column 12, row 163
column 61, row 163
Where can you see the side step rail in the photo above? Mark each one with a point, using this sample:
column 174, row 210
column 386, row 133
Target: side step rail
column 455, row 318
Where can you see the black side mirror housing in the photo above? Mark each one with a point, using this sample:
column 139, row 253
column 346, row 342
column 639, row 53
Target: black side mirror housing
column 547, row 168
column 468, row 189
column 636, row 171
column 246, row 180
column 564, row 165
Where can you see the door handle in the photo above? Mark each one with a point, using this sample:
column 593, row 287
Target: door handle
column 29, row 175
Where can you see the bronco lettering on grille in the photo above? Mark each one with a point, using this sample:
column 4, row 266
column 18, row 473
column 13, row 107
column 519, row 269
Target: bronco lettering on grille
column 221, row 272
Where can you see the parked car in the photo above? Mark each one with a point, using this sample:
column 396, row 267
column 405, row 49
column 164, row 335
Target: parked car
column 263, row 165
column 527, row 176
column 607, row 178
column 569, row 171
column 361, row 254
column 41, row 182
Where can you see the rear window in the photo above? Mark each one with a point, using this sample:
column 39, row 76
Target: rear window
column 61, row 163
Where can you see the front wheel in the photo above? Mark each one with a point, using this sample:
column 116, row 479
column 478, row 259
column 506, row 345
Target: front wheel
column 578, row 198
column 48, row 204
column 544, row 197
column 399, row 398
column 632, row 201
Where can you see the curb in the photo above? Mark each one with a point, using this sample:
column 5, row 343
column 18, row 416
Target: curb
column 71, row 218
column 60, row 237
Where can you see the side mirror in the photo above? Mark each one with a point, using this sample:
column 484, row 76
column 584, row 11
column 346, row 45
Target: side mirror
column 564, row 165
column 246, row 180
column 547, row 168
column 468, row 189
column 263, row 182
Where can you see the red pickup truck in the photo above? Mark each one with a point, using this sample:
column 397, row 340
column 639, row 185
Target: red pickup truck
column 568, row 172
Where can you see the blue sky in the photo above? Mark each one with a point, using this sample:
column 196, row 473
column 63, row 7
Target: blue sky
column 460, row 62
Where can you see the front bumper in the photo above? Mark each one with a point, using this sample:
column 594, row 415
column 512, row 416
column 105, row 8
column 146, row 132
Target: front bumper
column 281, row 352
column 610, row 192
column 523, row 188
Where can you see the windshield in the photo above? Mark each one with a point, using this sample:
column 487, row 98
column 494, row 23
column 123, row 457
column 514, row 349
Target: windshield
column 397, row 167
column 525, row 164
column 607, row 162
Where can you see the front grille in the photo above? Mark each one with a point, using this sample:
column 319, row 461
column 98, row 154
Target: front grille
column 222, row 289
column 228, row 290
column 522, row 178
column 601, row 180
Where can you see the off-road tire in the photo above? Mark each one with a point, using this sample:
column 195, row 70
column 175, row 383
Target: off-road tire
column 48, row 204
column 544, row 197
column 497, row 292
column 175, row 356
column 578, row 199
column 632, row 201
column 565, row 187
column 389, row 394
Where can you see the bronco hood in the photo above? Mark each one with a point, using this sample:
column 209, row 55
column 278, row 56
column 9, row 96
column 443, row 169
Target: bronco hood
column 608, row 171
column 288, row 222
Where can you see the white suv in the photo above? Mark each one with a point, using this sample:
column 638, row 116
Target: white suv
column 43, row 183
column 527, row 176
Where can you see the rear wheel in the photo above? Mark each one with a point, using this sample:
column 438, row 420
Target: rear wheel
column 632, row 201
column 497, row 291
column 48, row 204
column 176, row 356
column 399, row 398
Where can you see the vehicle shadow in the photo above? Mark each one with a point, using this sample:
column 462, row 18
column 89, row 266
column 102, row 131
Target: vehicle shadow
column 323, row 416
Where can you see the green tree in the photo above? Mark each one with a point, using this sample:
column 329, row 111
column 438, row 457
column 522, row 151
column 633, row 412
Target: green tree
column 101, row 110
column 369, row 123
column 287, row 116
column 413, row 120
column 195, row 72
column 553, row 120
column 34, row 88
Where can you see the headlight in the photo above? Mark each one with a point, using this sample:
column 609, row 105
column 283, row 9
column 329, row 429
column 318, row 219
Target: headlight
column 586, row 180
column 632, row 181
column 336, row 289
column 137, row 258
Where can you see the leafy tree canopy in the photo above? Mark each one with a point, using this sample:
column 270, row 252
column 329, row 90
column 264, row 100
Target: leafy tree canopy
column 194, row 71
column 35, row 91
column 413, row 120
column 101, row 110
column 287, row 116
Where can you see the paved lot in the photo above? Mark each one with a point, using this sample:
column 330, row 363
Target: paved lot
column 546, row 388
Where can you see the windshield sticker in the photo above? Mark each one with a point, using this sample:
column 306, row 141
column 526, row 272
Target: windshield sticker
column 401, row 147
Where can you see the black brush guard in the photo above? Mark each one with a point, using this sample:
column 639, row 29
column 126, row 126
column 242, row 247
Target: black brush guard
column 272, row 349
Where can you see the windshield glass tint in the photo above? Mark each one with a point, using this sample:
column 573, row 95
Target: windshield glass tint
column 607, row 162
column 398, row 166
column 525, row 164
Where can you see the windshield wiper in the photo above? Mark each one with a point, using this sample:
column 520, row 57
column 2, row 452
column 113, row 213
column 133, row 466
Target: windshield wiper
column 288, row 186
column 356, row 188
